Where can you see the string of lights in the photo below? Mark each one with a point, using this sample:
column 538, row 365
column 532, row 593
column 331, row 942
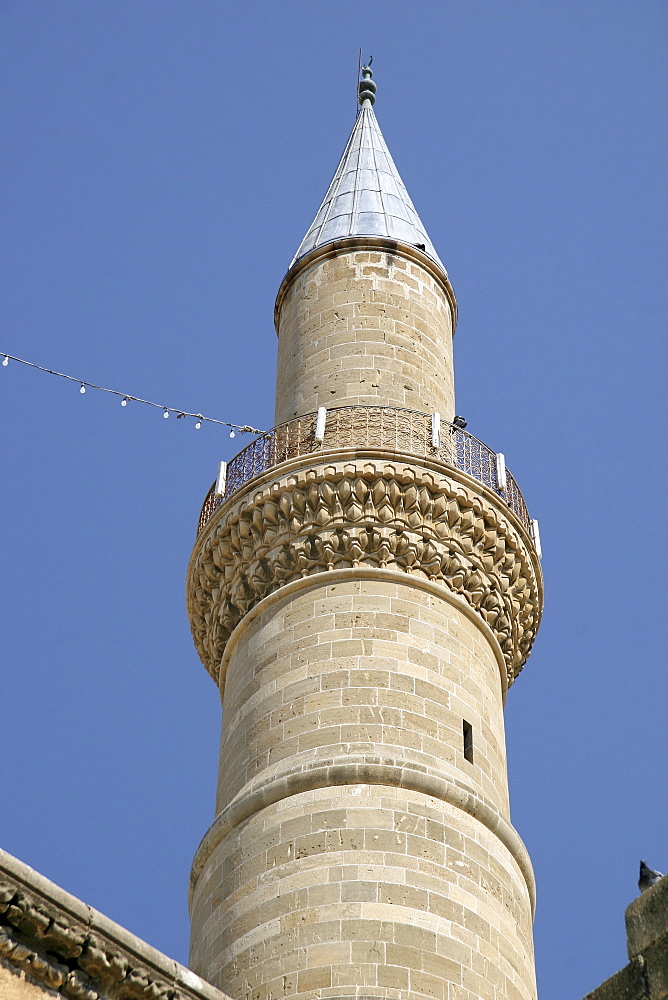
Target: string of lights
column 126, row 397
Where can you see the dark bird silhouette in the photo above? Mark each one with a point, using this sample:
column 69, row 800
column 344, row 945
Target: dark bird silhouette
column 420, row 246
column 459, row 422
column 648, row 877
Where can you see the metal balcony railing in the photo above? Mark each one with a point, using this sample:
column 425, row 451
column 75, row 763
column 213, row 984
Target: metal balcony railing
column 381, row 427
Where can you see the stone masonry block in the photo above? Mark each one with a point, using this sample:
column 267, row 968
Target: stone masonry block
column 656, row 966
column 647, row 918
column 627, row 984
column 314, row 979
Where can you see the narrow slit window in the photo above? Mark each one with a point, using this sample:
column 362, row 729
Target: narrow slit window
column 468, row 741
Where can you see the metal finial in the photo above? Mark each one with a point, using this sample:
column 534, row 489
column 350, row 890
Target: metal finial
column 367, row 88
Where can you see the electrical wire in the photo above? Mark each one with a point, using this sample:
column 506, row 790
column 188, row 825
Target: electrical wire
column 127, row 397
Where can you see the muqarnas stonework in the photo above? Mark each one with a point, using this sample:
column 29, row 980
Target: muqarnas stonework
column 377, row 514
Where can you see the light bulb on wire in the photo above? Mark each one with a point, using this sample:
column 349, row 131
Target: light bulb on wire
column 124, row 399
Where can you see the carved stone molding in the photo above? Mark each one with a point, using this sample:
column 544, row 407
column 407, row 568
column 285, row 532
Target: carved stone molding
column 73, row 951
column 366, row 513
column 359, row 769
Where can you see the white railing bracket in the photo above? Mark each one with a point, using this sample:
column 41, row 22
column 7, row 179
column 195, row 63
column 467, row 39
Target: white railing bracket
column 501, row 478
column 535, row 534
column 436, row 429
column 221, row 480
column 320, row 421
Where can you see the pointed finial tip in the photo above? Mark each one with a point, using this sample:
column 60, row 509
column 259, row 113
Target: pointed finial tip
column 367, row 88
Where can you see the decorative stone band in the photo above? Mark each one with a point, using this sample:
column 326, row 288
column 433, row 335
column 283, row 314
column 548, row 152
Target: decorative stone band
column 381, row 514
column 354, row 770
column 73, row 951
column 337, row 247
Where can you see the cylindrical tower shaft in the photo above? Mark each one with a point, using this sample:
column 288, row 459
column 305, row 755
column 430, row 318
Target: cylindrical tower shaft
column 365, row 326
column 363, row 601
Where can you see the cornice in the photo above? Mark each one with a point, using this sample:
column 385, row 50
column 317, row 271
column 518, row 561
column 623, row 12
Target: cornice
column 382, row 243
column 73, row 951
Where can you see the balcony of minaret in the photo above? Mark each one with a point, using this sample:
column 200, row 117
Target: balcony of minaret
column 364, row 429
column 374, row 486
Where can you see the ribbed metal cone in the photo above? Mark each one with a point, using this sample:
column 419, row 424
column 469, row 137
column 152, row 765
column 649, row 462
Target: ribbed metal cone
column 367, row 197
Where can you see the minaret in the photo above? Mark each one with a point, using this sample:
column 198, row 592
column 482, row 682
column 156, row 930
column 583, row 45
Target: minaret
column 364, row 588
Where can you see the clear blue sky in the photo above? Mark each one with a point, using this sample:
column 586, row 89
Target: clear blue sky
column 162, row 161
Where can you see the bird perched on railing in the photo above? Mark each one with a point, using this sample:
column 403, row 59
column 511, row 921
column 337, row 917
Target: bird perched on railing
column 648, row 877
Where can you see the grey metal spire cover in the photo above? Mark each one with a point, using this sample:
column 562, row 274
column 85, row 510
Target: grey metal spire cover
column 367, row 197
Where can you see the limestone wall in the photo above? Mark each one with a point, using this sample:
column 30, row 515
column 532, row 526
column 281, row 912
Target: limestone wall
column 16, row 985
column 363, row 667
column 355, row 847
column 646, row 975
column 364, row 890
column 364, row 327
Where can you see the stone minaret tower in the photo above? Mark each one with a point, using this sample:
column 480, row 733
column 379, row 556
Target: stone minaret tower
column 364, row 588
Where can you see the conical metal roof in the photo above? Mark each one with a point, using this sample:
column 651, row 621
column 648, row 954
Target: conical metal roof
column 367, row 197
